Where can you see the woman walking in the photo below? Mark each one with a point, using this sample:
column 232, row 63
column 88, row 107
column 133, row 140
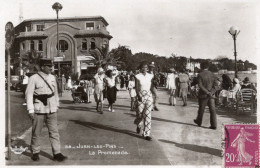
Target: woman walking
column 144, row 88
column 111, row 89
column 183, row 85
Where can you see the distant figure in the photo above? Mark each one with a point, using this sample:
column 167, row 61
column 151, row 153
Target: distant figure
column 226, row 86
column 183, row 86
column 83, row 92
column 99, row 87
column 155, row 82
column 69, row 84
column 235, row 89
column 24, row 86
column 248, row 84
column 207, row 82
column 171, row 86
column 63, row 83
column 132, row 92
column 122, row 80
column 127, row 78
column 88, row 89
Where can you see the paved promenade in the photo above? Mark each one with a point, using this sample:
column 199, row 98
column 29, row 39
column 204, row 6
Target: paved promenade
column 90, row 138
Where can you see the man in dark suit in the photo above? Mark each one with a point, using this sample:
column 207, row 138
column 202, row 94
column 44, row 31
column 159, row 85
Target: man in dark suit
column 207, row 82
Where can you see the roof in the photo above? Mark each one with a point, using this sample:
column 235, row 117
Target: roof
column 66, row 19
column 92, row 33
column 31, row 34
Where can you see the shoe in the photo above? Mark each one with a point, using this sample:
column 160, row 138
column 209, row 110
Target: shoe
column 59, row 157
column 148, row 138
column 196, row 122
column 35, row 157
column 101, row 112
column 214, row 128
column 156, row 109
column 113, row 111
column 109, row 109
column 138, row 130
column 24, row 104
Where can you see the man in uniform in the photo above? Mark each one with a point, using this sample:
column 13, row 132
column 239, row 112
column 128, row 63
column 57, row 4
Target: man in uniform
column 155, row 82
column 42, row 104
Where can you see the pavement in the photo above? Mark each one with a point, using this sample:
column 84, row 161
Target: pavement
column 90, row 138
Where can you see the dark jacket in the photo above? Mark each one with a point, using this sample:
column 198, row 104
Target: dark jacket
column 208, row 85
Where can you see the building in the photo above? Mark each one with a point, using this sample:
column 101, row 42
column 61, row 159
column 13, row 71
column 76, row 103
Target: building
column 76, row 36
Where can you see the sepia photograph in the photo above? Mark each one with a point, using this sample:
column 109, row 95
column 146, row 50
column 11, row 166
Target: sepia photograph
column 130, row 82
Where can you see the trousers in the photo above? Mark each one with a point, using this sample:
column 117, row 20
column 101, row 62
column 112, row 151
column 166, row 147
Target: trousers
column 155, row 97
column 144, row 112
column 203, row 102
column 51, row 122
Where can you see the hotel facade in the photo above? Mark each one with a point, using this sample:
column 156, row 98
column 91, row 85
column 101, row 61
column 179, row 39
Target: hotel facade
column 77, row 36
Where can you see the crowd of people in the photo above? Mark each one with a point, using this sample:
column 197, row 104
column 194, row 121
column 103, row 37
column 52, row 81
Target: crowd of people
column 42, row 96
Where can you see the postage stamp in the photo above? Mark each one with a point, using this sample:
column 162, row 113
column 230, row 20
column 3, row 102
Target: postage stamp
column 241, row 145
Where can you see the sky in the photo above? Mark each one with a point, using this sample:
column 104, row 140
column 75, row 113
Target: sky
column 196, row 28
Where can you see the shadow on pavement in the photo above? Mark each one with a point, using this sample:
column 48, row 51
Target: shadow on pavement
column 79, row 108
column 22, row 143
column 195, row 148
column 66, row 101
column 107, row 127
column 176, row 122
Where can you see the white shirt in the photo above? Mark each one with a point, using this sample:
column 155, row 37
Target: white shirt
column 145, row 81
column 111, row 82
column 170, row 84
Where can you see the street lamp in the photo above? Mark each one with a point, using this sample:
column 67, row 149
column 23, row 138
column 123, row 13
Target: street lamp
column 234, row 31
column 57, row 7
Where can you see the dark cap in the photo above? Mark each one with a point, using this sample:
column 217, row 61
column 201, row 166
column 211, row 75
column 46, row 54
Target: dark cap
column 246, row 80
column 45, row 61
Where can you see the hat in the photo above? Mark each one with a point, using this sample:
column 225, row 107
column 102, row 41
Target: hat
column 236, row 80
column 152, row 65
column 45, row 62
column 246, row 80
column 100, row 70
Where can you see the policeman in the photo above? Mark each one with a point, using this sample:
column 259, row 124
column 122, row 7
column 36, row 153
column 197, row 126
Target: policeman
column 42, row 104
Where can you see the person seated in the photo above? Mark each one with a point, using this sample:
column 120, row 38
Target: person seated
column 226, row 86
column 234, row 90
column 81, row 90
column 248, row 84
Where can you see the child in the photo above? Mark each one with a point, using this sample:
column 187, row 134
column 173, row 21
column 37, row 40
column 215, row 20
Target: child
column 132, row 92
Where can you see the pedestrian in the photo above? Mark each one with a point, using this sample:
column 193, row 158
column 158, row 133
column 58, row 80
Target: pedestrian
column 183, row 86
column 155, row 84
column 24, row 86
column 144, row 89
column 132, row 92
column 69, row 84
column 122, row 81
column 111, row 89
column 207, row 82
column 171, row 86
column 88, row 88
column 42, row 104
column 226, row 86
column 83, row 93
column 98, row 89
column 127, row 78
column 63, row 83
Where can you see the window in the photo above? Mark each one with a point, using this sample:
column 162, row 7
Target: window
column 40, row 46
column 31, row 45
column 84, row 44
column 63, row 45
column 40, row 27
column 90, row 26
column 28, row 28
column 22, row 46
column 92, row 44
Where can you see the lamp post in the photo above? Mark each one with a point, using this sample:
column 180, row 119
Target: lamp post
column 234, row 31
column 57, row 7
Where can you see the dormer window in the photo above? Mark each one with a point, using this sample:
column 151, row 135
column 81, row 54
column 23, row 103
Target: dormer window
column 90, row 26
column 28, row 28
column 40, row 27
